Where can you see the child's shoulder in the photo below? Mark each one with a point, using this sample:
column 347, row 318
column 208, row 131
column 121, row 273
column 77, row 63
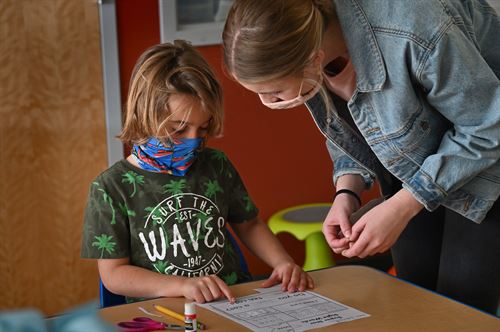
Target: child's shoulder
column 217, row 159
column 114, row 172
column 215, row 154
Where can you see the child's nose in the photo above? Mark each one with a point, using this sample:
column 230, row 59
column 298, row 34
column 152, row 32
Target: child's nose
column 192, row 134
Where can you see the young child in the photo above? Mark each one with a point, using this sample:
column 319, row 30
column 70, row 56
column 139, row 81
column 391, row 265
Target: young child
column 156, row 221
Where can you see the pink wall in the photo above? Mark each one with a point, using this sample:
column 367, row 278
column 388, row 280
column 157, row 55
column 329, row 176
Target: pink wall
column 280, row 154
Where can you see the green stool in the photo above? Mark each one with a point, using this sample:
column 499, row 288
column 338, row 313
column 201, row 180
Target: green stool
column 305, row 223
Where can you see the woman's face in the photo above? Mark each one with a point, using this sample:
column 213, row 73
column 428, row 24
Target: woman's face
column 278, row 90
column 290, row 87
column 188, row 119
column 284, row 98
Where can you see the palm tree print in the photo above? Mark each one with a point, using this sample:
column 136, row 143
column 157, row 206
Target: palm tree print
column 108, row 200
column 230, row 279
column 213, row 188
column 134, row 179
column 220, row 156
column 125, row 210
column 175, row 188
column 248, row 203
column 104, row 243
column 160, row 266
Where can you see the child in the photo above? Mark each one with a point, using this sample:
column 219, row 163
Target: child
column 156, row 220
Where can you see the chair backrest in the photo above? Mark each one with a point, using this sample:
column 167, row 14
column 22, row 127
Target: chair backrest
column 243, row 262
column 109, row 299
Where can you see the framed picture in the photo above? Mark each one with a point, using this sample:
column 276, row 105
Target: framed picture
column 198, row 21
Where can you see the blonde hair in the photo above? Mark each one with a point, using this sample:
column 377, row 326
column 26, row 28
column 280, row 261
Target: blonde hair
column 267, row 40
column 160, row 72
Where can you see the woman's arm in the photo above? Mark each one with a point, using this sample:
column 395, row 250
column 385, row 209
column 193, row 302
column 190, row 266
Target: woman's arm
column 460, row 85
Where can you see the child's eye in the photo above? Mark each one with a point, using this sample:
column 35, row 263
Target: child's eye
column 178, row 130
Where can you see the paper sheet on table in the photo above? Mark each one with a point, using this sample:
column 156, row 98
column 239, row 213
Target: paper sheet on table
column 274, row 310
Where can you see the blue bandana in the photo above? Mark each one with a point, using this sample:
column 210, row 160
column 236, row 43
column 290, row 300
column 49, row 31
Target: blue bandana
column 174, row 159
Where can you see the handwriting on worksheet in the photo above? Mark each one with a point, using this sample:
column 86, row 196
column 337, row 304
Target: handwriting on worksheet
column 278, row 311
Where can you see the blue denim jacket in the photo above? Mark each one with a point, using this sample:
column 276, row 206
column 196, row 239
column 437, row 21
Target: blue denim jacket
column 427, row 100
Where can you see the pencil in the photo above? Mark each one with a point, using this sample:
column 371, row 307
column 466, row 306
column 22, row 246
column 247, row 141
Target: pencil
column 177, row 316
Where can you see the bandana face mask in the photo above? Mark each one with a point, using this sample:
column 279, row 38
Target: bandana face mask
column 174, row 159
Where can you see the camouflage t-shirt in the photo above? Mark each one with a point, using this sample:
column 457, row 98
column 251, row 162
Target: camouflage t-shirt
column 169, row 224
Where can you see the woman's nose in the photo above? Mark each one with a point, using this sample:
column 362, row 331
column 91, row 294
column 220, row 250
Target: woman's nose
column 269, row 98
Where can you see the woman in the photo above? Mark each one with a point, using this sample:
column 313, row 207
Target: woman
column 406, row 93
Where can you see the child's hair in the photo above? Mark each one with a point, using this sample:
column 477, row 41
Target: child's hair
column 267, row 40
column 162, row 71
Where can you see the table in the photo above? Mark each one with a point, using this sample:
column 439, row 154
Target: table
column 393, row 305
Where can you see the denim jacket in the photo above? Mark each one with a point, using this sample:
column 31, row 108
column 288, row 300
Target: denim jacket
column 427, row 100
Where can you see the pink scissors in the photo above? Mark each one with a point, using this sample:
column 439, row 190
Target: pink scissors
column 145, row 324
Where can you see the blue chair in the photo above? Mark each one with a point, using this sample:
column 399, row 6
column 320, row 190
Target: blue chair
column 241, row 257
column 109, row 299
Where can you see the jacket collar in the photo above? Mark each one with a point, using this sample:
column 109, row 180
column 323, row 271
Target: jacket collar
column 363, row 47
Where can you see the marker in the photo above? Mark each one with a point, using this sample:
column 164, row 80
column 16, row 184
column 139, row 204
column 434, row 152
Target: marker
column 176, row 315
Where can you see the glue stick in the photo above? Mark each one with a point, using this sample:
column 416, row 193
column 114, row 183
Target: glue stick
column 190, row 316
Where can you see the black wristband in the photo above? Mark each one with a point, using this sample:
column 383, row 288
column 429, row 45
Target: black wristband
column 349, row 192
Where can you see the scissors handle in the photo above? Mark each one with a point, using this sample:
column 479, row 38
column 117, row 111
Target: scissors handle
column 145, row 324
column 141, row 324
column 146, row 320
column 166, row 326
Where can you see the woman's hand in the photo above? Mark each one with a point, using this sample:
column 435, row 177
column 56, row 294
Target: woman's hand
column 337, row 227
column 291, row 276
column 206, row 289
column 378, row 229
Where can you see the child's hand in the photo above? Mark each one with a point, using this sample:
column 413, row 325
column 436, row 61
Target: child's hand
column 206, row 289
column 291, row 276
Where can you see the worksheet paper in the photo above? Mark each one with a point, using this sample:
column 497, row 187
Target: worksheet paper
column 275, row 310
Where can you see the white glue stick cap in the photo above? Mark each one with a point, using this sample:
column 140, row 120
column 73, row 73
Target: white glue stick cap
column 189, row 308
